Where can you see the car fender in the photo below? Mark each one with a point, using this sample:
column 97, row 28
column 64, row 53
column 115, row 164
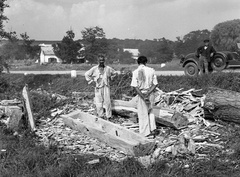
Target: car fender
column 190, row 60
column 224, row 54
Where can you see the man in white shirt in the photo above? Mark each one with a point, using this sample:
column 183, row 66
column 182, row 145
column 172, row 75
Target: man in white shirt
column 101, row 75
column 144, row 81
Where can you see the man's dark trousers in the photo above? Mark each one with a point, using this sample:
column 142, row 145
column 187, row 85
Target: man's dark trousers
column 203, row 62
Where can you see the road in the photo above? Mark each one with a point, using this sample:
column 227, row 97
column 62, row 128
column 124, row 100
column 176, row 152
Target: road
column 159, row 73
column 165, row 73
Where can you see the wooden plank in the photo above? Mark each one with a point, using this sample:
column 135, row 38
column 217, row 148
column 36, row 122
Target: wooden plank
column 114, row 135
column 167, row 117
column 28, row 107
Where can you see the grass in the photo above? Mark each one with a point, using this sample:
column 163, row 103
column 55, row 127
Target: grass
column 174, row 65
column 24, row 158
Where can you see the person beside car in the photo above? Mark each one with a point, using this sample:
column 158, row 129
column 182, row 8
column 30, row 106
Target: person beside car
column 205, row 53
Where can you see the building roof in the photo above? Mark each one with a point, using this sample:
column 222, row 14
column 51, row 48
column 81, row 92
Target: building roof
column 47, row 49
column 39, row 42
column 134, row 52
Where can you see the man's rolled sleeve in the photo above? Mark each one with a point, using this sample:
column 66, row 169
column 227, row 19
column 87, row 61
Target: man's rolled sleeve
column 88, row 75
column 155, row 81
column 134, row 82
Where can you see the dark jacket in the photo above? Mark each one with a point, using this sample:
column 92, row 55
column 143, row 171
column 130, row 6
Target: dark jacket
column 206, row 52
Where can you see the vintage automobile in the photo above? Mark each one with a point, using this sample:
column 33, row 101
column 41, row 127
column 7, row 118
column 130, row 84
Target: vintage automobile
column 221, row 60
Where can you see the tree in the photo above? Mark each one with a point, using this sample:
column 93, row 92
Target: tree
column 157, row 51
column 226, row 35
column 69, row 49
column 91, row 34
column 3, row 18
column 16, row 49
column 95, row 42
column 126, row 58
column 190, row 42
column 26, row 46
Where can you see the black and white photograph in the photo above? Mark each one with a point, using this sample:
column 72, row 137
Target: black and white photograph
column 119, row 88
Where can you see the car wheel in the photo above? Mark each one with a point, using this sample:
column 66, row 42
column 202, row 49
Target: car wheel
column 191, row 69
column 218, row 63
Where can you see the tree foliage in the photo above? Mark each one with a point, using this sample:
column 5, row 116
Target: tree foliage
column 68, row 49
column 29, row 51
column 226, row 35
column 18, row 49
column 157, row 51
column 3, row 18
column 190, row 42
column 125, row 57
column 95, row 42
column 92, row 34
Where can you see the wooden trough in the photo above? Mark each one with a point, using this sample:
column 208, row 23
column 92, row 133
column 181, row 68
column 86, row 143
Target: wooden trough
column 112, row 134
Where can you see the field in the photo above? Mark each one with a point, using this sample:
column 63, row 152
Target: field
column 23, row 157
column 174, row 65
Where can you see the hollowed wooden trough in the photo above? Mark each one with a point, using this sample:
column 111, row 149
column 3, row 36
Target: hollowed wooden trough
column 114, row 135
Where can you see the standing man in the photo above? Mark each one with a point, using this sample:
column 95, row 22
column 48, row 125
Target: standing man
column 205, row 53
column 101, row 75
column 145, row 81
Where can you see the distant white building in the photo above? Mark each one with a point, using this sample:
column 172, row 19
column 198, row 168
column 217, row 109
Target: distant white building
column 135, row 52
column 47, row 54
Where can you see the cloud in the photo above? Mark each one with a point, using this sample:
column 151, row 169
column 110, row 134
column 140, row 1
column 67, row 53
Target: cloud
column 36, row 18
column 144, row 19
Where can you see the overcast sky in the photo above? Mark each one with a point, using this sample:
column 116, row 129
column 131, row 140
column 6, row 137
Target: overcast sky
column 134, row 19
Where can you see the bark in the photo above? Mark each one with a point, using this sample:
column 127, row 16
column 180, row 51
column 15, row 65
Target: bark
column 227, row 113
column 221, row 97
column 224, row 104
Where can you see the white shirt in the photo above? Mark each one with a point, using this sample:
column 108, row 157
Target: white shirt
column 101, row 79
column 144, row 77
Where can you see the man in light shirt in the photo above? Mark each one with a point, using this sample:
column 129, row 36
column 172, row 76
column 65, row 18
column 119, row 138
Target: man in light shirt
column 101, row 75
column 144, row 81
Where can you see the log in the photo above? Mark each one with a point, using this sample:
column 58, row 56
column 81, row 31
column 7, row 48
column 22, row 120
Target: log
column 222, row 97
column 227, row 113
column 112, row 134
column 223, row 104
column 28, row 107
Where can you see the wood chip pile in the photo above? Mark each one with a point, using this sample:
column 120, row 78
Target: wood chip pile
column 192, row 140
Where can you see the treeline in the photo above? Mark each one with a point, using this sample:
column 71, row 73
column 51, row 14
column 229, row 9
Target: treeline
column 94, row 42
column 18, row 48
column 224, row 36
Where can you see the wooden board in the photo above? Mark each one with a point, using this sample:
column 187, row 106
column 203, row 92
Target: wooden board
column 28, row 107
column 165, row 116
column 112, row 134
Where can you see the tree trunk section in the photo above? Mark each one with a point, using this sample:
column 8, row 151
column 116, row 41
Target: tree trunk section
column 227, row 113
column 224, row 104
column 221, row 97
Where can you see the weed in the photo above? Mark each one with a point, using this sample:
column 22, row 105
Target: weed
column 23, row 157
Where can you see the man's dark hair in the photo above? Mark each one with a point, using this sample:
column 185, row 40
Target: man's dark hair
column 142, row 60
column 206, row 40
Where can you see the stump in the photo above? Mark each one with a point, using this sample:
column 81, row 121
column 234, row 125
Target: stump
column 223, row 104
